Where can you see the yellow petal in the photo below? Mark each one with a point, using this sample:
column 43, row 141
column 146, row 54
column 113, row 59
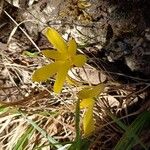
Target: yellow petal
column 88, row 121
column 72, row 81
column 79, row 60
column 53, row 54
column 55, row 39
column 72, row 47
column 90, row 92
column 43, row 73
column 61, row 76
column 87, row 103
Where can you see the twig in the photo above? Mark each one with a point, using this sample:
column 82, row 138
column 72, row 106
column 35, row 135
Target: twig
column 26, row 34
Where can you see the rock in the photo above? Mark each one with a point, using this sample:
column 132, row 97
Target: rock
column 116, row 26
column 132, row 51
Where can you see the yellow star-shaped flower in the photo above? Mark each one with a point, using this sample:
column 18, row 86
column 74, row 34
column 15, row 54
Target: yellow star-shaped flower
column 64, row 56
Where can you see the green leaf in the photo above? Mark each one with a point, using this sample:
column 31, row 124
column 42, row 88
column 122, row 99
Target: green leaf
column 43, row 73
column 4, row 110
column 27, row 53
column 85, row 144
column 128, row 139
column 125, row 128
column 55, row 39
column 51, row 140
column 24, row 138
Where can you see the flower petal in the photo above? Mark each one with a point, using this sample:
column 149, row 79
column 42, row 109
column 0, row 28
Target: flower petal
column 61, row 76
column 87, row 103
column 79, row 60
column 72, row 47
column 53, row 54
column 88, row 121
column 72, row 81
column 90, row 92
column 43, row 73
column 56, row 39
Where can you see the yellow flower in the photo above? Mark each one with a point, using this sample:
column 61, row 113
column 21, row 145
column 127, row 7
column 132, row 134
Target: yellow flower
column 64, row 56
column 87, row 96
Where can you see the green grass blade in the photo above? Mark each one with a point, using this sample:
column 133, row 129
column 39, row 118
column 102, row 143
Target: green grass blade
column 24, row 139
column 125, row 128
column 118, row 121
column 128, row 139
column 65, row 145
column 3, row 109
column 30, row 54
column 84, row 145
column 51, row 140
column 77, row 143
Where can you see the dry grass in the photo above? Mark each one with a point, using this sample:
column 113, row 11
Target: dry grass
column 36, row 110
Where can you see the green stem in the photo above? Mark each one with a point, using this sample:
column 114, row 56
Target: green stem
column 77, row 125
